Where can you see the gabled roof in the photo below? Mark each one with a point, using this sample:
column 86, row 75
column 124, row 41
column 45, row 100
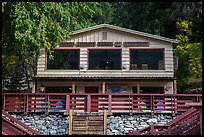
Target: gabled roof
column 124, row 30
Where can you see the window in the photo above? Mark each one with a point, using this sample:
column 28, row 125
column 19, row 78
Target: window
column 64, row 59
column 149, row 90
column 103, row 59
column 144, row 59
column 104, row 35
column 58, row 89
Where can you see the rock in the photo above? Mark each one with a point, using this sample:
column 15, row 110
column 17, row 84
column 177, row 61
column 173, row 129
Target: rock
column 120, row 122
column 114, row 131
column 131, row 118
column 53, row 132
column 154, row 120
column 129, row 126
column 54, row 127
column 43, row 127
column 111, row 126
column 151, row 123
column 61, row 130
column 28, row 124
column 168, row 117
column 65, row 126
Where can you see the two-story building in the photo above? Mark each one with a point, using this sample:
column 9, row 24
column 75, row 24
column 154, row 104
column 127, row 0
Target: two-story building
column 107, row 58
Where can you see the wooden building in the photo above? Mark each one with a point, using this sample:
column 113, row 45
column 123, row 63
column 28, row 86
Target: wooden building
column 106, row 58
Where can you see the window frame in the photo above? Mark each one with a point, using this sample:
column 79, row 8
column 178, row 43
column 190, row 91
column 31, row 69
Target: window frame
column 164, row 68
column 46, row 69
column 104, row 49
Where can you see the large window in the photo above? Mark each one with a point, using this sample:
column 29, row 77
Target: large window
column 146, row 59
column 64, row 59
column 159, row 90
column 58, row 89
column 104, row 59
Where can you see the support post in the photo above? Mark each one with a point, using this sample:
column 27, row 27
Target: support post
column 4, row 105
column 73, row 87
column 46, row 105
column 104, row 123
column 70, row 123
column 152, row 104
column 175, row 92
column 26, row 112
column 88, row 103
column 68, row 103
column 138, row 87
column 33, row 86
column 103, row 87
column 109, row 103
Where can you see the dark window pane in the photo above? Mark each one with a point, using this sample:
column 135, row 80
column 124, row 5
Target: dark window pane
column 58, row 89
column 104, row 59
column 64, row 59
column 146, row 59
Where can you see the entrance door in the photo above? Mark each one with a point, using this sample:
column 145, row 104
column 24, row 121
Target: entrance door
column 94, row 99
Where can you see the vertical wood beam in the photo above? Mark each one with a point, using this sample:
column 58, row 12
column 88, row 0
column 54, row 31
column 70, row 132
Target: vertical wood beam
column 138, row 87
column 73, row 87
column 88, row 103
column 67, row 103
column 104, row 87
column 33, row 87
column 70, row 123
column 104, row 123
column 109, row 103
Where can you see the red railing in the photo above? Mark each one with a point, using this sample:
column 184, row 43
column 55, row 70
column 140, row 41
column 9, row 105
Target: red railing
column 12, row 126
column 93, row 102
column 186, row 124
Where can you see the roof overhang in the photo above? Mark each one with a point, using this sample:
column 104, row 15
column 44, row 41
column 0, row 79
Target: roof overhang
column 103, row 78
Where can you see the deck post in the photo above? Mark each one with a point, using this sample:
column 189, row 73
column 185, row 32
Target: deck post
column 109, row 103
column 46, row 102
column 152, row 104
column 67, row 103
column 4, row 105
column 70, row 123
column 73, row 87
column 88, row 103
column 26, row 112
column 104, row 123
column 104, row 87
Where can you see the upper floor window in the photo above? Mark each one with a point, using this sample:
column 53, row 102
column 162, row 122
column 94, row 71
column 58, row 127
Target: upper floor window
column 104, row 35
column 64, row 59
column 102, row 59
column 146, row 59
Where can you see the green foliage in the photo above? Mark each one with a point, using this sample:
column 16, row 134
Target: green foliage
column 16, row 80
column 30, row 26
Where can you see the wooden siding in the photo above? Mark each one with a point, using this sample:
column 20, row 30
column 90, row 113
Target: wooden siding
column 112, row 36
column 41, row 62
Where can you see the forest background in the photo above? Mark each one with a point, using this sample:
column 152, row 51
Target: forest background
column 29, row 26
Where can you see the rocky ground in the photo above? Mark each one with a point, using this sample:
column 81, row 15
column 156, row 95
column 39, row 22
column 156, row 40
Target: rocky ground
column 116, row 125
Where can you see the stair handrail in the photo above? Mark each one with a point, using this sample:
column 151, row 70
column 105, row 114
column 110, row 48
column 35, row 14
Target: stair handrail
column 20, row 125
column 167, row 127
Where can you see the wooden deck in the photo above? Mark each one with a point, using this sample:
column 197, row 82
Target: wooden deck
column 97, row 102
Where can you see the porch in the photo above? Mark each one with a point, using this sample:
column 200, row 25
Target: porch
column 98, row 102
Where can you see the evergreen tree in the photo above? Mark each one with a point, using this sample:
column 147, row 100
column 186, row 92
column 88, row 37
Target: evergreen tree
column 16, row 80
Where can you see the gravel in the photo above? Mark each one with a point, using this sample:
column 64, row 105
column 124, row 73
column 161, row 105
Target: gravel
column 116, row 125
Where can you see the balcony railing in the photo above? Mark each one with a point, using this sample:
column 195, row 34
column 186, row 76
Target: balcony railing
column 97, row 102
